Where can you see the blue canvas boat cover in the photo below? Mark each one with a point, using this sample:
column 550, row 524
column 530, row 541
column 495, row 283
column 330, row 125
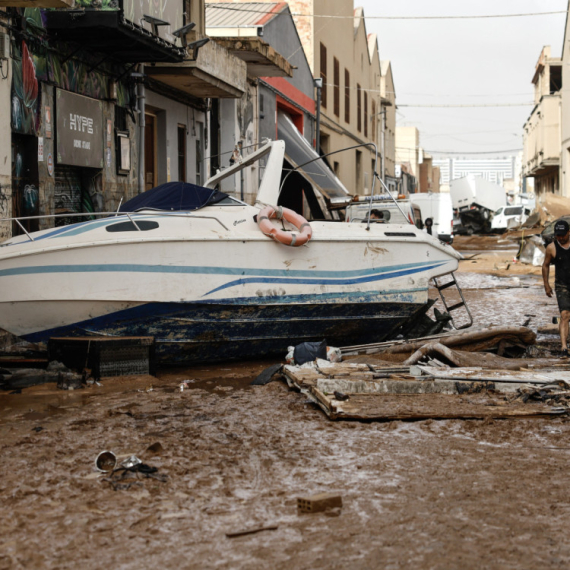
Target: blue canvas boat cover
column 174, row 197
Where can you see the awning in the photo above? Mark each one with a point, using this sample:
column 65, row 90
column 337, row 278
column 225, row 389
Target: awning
column 298, row 151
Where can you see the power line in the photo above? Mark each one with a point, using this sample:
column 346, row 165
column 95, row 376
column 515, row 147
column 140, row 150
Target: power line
column 468, row 17
column 429, row 151
column 469, row 105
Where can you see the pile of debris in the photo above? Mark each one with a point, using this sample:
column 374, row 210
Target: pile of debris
column 475, row 374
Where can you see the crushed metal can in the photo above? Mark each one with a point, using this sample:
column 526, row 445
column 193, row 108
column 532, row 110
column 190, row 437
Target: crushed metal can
column 130, row 462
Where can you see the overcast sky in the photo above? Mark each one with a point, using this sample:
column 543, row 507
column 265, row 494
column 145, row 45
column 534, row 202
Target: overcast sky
column 465, row 62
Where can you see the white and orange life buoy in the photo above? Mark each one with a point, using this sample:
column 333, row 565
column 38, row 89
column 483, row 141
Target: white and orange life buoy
column 287, row 238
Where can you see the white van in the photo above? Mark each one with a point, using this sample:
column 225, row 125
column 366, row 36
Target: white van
column 357, row 211
column 509, row 217
column 437, row 207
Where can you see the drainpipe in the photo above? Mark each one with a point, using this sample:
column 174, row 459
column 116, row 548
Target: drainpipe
column 142, row 123
column 383, row 118
column 319, row 85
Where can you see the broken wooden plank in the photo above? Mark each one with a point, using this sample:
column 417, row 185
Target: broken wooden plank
column 391, row 407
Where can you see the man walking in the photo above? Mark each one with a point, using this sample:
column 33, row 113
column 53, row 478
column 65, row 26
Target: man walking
column 558, row 253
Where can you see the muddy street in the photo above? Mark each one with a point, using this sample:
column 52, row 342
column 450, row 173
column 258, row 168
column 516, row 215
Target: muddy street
column 233, row 457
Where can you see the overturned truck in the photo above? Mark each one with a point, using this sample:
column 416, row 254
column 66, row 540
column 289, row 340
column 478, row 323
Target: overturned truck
column 475, row 200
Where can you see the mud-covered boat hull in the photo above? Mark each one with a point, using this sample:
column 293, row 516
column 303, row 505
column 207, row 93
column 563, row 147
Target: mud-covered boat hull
column 190, row 332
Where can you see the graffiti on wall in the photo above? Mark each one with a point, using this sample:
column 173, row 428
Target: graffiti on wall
column 76, row 74
column 25, row 93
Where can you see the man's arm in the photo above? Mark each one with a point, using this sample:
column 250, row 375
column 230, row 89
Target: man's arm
column 549, row 255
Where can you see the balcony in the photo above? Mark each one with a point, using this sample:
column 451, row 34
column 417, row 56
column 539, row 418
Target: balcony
column 121, row 30
column 261, row 59
column 215, row 73
column 541, row 140
column 37, row 3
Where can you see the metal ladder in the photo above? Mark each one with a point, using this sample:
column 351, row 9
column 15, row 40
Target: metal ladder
column 451, row 308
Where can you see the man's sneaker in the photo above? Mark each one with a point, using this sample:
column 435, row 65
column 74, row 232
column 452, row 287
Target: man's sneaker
column 564, row 353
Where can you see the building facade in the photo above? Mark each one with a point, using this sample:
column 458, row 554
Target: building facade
column 542, row 130
column 346, row 58
column 105, row 102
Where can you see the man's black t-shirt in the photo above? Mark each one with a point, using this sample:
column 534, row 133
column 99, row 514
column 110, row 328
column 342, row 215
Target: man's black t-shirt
column 562, row 264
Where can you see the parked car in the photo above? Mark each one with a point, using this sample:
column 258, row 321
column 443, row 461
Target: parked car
column 547, row 234
column 509, row 217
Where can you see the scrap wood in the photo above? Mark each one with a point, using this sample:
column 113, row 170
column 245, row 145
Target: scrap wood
column 254, row 530
column 462, row 358
column 478, row 374
column 470, row 340
column 390, row 407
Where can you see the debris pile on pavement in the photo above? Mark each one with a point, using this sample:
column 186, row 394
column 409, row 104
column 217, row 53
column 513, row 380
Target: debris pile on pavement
column 436, row 381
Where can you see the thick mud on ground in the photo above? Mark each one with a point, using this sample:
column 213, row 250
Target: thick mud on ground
column 430, row 494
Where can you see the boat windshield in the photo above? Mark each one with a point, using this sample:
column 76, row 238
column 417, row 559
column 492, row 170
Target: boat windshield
column 230, row 201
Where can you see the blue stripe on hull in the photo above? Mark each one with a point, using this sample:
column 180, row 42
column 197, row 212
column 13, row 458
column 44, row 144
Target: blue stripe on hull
column 206, row 332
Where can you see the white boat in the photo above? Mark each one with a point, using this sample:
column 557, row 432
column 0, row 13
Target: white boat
column 208, row 285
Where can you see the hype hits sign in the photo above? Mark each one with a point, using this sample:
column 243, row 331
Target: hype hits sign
column 79, row 130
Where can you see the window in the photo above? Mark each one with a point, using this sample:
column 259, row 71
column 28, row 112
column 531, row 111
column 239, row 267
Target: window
column 182, row 153
column 374, row 121
column 336, row 72
column 365, row 114
column 358, row 108
column 324, row 76
column 141, row 226
column 347, row 96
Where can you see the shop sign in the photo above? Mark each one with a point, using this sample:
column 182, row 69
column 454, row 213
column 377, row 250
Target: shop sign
column 79, row 124
column 50, row 164
column 40, row 149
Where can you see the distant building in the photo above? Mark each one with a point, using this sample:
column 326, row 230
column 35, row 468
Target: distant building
column 494, row 170
column 408, row 149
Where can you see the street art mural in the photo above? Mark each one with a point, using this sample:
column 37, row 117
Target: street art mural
column 34, row 64
column 25, row 93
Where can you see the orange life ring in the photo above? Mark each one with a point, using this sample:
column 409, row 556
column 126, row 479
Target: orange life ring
column 287, row 238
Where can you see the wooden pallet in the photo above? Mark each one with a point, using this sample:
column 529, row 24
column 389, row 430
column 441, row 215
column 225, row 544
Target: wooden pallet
column 382, row 395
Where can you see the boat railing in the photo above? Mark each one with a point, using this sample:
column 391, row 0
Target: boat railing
column 130, row 215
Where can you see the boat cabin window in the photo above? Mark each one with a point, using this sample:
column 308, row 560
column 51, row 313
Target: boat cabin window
column 229, row 201
column 144, row 225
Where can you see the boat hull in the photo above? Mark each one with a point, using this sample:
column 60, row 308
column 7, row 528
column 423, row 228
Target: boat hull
column 198, row 332
column 212, row 287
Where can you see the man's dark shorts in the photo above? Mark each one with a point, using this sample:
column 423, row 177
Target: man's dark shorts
column 563, row 297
